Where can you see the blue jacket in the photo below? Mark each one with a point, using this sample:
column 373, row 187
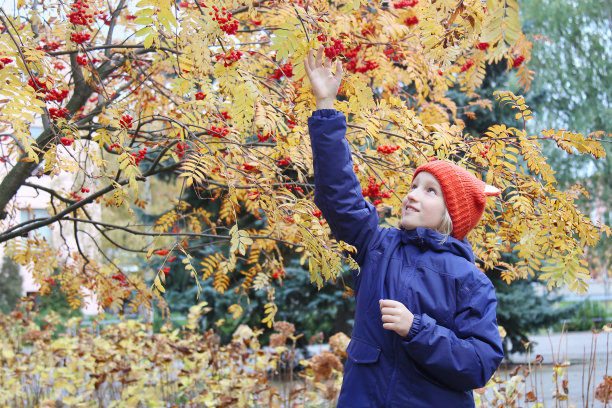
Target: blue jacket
column 454, row 345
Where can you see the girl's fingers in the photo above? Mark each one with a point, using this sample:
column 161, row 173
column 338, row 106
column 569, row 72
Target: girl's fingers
column 389, row 319
column 338, row 73
column 309, row 61
column 319, row 60
column 328, row 64
column 388, row 303
column 389, row 311
column 389, row 326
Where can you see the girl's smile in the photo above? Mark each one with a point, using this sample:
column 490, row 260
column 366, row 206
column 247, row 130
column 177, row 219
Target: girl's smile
column 424, row 205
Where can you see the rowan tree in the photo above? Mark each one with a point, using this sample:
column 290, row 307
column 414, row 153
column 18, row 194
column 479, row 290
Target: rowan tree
column 212, row 95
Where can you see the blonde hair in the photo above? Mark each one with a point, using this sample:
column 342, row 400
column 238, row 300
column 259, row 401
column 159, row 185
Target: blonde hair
column 446, row 226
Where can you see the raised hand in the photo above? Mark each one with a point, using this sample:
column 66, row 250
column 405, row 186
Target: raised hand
column 325, row 84
column 396, row 316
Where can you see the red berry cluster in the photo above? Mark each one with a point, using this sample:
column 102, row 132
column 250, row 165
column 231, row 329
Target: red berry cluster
column 248, row 167
column 130, row 17
column 387, row 149
column 111, row 147
column 291, row 123
column 186, row 4
column 405, row 3
column 50, row 94
column 126, row 121
column 80, row 38
column 81, row 60
column 4, row 62
column 200, row 96
column 393, row 54
column 322, row 37
column 284, row 162
column 165, row 270
column 79, row 15
column 50, row 281
column 369, row 30
column 75, row 196
column 162, row 252
column 66, row 141
column 58, row 65
column 218, row 131
column 278, row 273
column 103, row 17
column 38, row 85
column 121, row 278
column 225, row 20
column 284, row 71
column 55, row 95
column 48, row 46
column 263, row 138
column 58, row 113
column 335, row 49
column 289, row 187
column 484, row 152
column 467, row 65
column 180, row 149
column 223, row 116
column 317, row 213
column 84, row 190
column 373, row 191
column 138, row 157
column 410, row 21
column 230, row 58
column 351, row 65
column 482, row 46
column 518, row 61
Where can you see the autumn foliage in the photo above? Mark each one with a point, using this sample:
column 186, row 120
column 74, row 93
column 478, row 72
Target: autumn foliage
column 214, row 94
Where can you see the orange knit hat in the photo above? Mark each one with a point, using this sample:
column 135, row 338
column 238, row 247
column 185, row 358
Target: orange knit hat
column 464, row 194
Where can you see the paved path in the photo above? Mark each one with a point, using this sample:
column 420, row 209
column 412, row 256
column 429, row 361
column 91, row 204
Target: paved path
column 573, row 346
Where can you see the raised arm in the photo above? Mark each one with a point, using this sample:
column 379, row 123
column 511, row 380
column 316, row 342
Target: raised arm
column 337, row 190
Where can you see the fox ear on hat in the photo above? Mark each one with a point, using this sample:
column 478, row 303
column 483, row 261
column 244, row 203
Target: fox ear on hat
column 491, row 190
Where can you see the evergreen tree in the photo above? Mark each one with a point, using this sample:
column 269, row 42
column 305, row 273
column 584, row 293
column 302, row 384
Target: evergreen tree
column 10, row 282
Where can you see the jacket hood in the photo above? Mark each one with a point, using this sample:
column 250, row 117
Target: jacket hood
column 430, row 239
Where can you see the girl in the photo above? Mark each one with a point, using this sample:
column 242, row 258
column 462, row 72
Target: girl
column 425, row 332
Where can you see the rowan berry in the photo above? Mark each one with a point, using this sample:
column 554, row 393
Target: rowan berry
column 467, row 65
column 58, row 113
column 80, row 38
column 285, row 71
column 518, row 61
column 410, row 21
column 405, row 3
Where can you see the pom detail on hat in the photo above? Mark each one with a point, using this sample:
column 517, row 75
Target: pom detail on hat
column 464, row 194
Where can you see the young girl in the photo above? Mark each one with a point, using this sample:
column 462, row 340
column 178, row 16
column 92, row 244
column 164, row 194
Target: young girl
column 425, row 332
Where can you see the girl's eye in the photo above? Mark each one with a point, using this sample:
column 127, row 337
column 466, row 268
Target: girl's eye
column 432, row 190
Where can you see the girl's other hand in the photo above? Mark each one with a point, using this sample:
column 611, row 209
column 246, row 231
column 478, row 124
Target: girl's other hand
column 396, row 316
column 324, row 83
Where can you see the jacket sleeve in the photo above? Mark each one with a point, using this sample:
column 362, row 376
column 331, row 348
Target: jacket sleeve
column 337, row 191
column 466, row 358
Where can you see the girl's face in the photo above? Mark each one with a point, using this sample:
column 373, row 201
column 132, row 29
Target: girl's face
column 424, row 205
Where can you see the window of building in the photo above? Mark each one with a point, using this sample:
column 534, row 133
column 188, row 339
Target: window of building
column 37, row 213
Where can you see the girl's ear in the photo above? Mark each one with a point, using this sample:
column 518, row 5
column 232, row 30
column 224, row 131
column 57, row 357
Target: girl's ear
column 491, row 190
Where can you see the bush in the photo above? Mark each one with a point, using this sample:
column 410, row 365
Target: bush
column 586, row 316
